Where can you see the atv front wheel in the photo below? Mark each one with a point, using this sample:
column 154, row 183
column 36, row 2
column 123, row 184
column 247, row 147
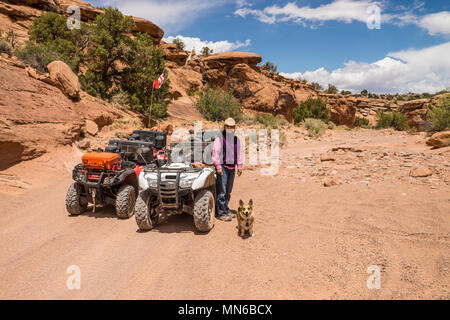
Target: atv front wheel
column 146, row 215
column 125, row 201
column 73, row 204
column 204, row 207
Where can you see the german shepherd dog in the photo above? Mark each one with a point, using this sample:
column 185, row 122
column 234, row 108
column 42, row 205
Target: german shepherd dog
column 245, row 218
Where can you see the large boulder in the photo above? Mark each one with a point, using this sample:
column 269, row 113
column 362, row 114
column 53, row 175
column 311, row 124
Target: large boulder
column 439, row 140
column 145, row 26
column 65, row 79
column 229, row 58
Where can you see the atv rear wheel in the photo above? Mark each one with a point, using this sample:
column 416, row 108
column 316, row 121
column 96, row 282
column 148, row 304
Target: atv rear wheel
column 204, row 207
column 146, row 216
column 125, row 201
column 73, row 204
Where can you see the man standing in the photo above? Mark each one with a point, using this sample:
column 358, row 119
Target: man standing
column 227, row 155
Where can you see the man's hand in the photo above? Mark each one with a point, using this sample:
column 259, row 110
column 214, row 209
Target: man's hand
column 219, row 171
column 239, row 172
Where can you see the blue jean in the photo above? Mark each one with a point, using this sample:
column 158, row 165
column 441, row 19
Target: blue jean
column 224, row 185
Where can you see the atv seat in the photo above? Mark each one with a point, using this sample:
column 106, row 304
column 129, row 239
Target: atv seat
column 128, row 164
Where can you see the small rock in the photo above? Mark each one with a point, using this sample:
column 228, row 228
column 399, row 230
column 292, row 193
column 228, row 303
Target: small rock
column 329, row 181
column 420, row 172
column 91, row 127
column 327, row 157
column 84, row 144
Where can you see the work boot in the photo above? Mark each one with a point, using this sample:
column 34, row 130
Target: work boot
column 224, row 217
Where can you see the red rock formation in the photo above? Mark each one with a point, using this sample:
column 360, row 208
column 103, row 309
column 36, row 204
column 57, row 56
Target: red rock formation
column 36, row 116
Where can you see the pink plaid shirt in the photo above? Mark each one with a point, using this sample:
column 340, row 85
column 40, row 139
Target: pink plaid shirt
column 217, row 155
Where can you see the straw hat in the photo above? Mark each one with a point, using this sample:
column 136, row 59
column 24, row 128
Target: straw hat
column 230, row 122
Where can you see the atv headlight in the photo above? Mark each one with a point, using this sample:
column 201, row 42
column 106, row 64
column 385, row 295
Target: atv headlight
column 152, row 183
column 187, row 183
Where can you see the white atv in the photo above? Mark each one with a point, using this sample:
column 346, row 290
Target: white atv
column 176, row 188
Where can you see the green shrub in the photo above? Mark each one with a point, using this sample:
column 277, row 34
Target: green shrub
column 345, row 92
column 216, row 105
column 301, row 113
column 439, row 116
column 365, row 93
column 394, row 119
column 112, row 44
column 283, row 138
column 316, row 86
column 332, row 89
column 267, row 120
column 145, row 64
column 179, row 43
column 51, row 40
column 311, row 108
column 270, row 66
column 49, row 27
column 206, row 51
column 361, row 122
column 5, row 47
column 39, row 56
column 315, row 127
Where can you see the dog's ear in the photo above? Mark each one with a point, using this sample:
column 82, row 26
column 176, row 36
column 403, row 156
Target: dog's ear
column 241, row 203
column 250, row 203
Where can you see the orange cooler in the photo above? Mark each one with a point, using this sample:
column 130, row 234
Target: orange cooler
column 100, row 160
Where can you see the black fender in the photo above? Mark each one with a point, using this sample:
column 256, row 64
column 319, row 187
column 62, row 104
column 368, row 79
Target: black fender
column 128, row 176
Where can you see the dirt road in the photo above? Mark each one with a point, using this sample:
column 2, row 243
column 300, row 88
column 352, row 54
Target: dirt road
column 311, row 242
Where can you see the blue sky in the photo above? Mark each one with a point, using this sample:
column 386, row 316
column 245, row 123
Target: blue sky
column 327, row 41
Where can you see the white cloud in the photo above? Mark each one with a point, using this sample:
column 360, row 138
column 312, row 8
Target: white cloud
column 348, row 11
column 436, row 23
column 339, row 10
column 216, row 46
column 171, row 15
column 425, row 70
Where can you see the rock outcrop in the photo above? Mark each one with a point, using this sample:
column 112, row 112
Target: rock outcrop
column 145, row 26
column 257, row 89
column 230, row 58
column 342, row 109
column 65, row 79
column 416, row 111
column 36, row 117
column 171, row 53
column 18, row 15
column 237, row 72
column 439, row 139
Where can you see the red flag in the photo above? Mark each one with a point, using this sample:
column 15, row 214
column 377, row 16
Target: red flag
column 158, row 83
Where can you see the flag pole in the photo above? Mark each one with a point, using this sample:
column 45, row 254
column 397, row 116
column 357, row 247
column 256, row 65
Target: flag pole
column 151, row 105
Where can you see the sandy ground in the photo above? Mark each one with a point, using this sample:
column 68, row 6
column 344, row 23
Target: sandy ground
column 311, row 242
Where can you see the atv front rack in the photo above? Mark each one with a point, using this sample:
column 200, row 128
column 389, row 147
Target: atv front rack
column 168, row 190
column 93, row 178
